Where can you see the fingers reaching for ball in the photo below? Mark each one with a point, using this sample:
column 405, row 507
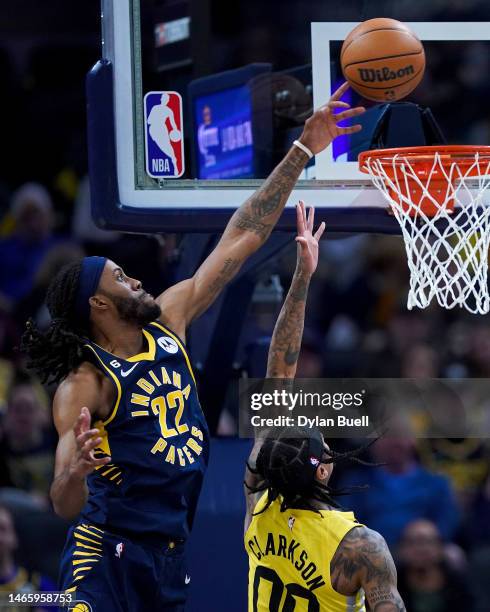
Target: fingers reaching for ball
column 322, row 127
column 338, row 93
column 348, row 114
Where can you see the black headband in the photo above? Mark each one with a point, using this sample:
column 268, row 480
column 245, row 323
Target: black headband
column 299, row 474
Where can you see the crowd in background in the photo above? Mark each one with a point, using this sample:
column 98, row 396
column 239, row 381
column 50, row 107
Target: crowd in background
column 431, row 499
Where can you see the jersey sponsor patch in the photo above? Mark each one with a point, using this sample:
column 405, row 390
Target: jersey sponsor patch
column 164, row 138
column 168, row 344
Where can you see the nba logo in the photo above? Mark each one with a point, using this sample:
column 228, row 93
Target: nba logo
column 164, row 139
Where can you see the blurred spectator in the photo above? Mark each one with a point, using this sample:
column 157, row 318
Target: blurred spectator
column 426, row 581
column 343, row 288
column 409, row 328
column 464, row 461
column 21, row 253
column 27, row 443
column 400, row 491
column 83, row 226
column 32, row 305
column 420, row 361
column 13, row 577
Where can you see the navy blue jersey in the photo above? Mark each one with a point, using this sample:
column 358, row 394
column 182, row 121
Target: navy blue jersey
column 158, row 440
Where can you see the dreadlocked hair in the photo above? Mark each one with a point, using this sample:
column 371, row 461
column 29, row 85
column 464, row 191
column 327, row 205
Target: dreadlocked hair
column 280, row 462
column 53, row 353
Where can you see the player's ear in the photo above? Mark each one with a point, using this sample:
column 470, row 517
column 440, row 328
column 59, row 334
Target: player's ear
column 99, row 302
column 323, row 472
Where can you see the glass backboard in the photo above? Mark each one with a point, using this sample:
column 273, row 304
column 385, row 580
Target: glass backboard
column 226, row 129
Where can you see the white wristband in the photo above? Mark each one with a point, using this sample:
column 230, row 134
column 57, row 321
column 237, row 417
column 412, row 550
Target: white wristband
column 304, row 148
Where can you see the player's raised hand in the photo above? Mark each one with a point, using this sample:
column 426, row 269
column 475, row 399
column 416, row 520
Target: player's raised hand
column 322, row 127
column 84, row 461
column 307, row 240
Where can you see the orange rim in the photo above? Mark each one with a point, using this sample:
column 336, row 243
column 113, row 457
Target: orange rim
column 408, row 194
column 464, row 155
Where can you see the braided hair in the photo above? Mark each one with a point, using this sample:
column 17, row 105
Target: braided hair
column 285, row 465
column 52, row 354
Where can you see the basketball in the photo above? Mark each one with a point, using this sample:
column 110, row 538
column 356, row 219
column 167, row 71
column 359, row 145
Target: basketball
column 175, row 135
column 383, row 60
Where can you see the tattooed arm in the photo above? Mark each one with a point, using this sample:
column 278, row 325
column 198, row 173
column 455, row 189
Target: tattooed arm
column 288, row 331
column 252, row 223
column 363, row 560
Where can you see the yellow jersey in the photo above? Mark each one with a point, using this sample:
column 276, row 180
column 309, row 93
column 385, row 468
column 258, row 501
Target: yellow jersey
column 289, row 560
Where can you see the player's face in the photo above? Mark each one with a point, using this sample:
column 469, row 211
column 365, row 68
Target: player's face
column 132, row 303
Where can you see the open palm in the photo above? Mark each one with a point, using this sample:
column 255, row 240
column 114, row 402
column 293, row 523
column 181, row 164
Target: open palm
column 322, row 127
column 307, row 241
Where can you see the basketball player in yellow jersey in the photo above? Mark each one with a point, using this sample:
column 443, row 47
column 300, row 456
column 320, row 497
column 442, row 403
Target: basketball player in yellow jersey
column 304, row 554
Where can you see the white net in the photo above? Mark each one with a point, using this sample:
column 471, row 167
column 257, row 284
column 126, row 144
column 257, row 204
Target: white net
column 447, row 249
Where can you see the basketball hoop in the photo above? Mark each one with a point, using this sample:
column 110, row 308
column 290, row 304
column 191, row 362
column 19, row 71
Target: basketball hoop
column 437, row 196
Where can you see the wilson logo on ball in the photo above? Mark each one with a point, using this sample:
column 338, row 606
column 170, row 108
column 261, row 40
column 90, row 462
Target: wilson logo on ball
column 368, row 75
column 382, row 59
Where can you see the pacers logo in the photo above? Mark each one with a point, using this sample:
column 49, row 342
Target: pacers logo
column 81, row 606
column 164, row 138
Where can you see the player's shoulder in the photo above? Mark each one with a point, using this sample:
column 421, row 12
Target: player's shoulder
column 361, row 552
column 82, row 387
column 84, row 377
column 360, row 542
column 168, row 328
column 360, row 538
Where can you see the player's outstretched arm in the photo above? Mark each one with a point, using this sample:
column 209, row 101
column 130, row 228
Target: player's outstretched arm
column 76, row 399
column 288, row 331
column 363, row 560
column 252, row 223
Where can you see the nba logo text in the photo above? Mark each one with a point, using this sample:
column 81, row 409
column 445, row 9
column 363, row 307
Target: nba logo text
column 164, row 138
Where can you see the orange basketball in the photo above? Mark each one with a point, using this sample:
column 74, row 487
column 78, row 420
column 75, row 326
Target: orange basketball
column 382, row 59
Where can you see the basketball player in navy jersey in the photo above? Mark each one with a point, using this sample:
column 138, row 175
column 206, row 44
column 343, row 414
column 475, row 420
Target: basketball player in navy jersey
column 133, row 441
